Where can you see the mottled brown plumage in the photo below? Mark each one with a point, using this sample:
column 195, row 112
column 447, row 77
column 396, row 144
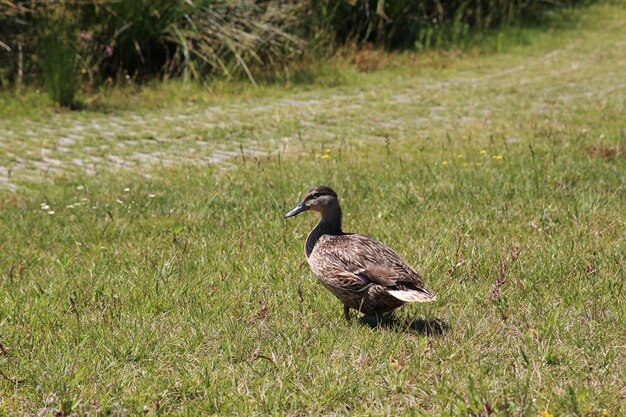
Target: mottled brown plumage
column 363, row 273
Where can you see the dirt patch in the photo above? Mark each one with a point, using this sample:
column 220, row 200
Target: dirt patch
column 606, row 152
column 370, row 58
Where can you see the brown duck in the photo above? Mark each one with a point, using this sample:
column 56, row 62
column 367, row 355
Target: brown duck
column 363, row 273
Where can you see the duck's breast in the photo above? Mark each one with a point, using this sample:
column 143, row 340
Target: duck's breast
column 322, row 260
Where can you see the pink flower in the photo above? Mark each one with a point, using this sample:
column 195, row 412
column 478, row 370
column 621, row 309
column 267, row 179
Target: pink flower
column 109, row 50
column 86, row 35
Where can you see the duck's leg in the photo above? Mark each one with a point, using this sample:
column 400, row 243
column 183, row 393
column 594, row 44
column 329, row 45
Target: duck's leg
column 346, row 312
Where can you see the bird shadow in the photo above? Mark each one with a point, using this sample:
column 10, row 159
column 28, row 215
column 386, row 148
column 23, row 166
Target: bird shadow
column 424, row 327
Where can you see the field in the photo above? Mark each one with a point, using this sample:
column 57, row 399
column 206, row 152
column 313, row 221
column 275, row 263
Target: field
column 146, row 268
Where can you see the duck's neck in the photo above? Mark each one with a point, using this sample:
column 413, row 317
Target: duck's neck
column 330, row 224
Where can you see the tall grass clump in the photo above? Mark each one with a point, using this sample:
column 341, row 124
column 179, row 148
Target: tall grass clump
column 232, row 38
column 58, row 46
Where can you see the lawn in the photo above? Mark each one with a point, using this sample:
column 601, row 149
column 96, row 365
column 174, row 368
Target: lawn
column 145, row 265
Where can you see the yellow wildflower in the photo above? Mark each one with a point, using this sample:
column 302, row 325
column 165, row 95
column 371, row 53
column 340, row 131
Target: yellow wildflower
column 83, row 70
column 605, row 413
column 325, row 156
column 444, row 162
column 497, row 156
column 326, row 150
column 482, row 151
column 546, row 413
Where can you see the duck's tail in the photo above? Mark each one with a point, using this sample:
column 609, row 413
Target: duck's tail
column 419, row 295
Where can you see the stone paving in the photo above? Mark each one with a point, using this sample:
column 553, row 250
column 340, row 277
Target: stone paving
column 397, row 104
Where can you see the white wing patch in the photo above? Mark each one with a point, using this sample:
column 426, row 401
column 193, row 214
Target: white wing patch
column 412, row 296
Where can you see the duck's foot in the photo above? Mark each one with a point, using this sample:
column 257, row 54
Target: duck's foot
column 346, row 312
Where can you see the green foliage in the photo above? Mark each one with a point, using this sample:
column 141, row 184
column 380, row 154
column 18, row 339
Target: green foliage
column 253, row 39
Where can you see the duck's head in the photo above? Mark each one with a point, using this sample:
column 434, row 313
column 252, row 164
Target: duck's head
column 322, row 199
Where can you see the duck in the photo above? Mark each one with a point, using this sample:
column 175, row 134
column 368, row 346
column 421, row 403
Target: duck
column 363, row 273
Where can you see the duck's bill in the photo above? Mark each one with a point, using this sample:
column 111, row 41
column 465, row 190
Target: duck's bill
column 299, row 209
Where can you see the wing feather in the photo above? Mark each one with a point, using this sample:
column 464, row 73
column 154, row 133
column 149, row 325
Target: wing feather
column 362, row 256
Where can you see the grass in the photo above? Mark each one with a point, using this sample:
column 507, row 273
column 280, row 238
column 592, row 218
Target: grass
column 175, row 287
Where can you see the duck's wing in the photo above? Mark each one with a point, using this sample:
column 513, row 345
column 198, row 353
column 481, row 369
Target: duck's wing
column 370, row 261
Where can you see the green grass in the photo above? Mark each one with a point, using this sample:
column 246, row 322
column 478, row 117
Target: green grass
column 178, row 288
